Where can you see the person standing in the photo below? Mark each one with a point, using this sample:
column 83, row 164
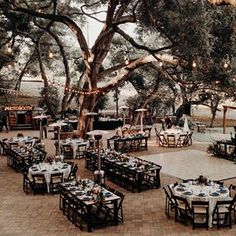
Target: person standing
column 168, row 122
column 5, row 121
column 44, row 126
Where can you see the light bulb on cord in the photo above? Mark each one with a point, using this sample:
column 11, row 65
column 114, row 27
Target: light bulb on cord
column 194, row 64
column 50, row 54
column 160, row 63
column 9, row 50
column 126, row 61
column 90, row 59
column 226, row 65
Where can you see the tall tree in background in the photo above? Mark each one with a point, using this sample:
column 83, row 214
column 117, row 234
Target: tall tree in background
column 183, row 28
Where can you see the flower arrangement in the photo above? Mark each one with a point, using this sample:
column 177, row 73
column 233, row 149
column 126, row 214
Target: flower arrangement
column 20, row 135
column 201, row 180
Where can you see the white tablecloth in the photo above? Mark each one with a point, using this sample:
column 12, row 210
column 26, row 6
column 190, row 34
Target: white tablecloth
column 20, row 140
column 207, row 190
column 74, row 144
column 47, row 169
column 173, row 131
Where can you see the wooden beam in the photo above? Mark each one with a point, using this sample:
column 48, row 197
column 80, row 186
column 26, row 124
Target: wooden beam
column 224, row 117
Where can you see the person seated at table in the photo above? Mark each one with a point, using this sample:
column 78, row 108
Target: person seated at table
column 167, row 122
column 201, row 180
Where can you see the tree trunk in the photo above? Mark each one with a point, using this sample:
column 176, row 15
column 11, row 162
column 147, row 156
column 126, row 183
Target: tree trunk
column 45, row 81
column 88, row 105
column 214, row 105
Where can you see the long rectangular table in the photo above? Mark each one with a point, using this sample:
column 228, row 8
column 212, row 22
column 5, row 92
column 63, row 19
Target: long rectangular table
column 131, row 173
column 225, row 149
column 128, row 144
column 85, row 197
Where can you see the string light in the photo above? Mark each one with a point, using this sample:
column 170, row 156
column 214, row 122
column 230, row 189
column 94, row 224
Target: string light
column 194, row 64
column 90, row 59
column 50, row 54
column 12, row 92
column 226, row 65
column 160, row 63
column 126, row 61
column 9, row 49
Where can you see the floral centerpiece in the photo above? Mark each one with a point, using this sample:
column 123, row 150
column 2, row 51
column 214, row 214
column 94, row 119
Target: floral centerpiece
column 201, row 180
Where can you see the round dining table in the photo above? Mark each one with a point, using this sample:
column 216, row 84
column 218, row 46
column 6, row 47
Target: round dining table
column 21, row 140
column 47, row 169
column 74, row 143
column 176, row 132
column 194, row 192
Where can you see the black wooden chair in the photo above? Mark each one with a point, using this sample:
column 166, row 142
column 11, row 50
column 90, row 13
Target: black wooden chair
column 200, row 214
column 81, row 150
column 232, row 194
column 73, row 173
column 163, row 141
column 222, row 214
column 182, row 210
column 39, row 184
column 27, row 183
column 55, row 181
column 170, row 203
column 182, row 140
column 171, row 140
column 67, row 151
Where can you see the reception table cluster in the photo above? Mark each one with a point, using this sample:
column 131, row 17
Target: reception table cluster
column 127, row 130
column 74, row 147
column 131, row 173
column 56, row 170
column 225, row 149
column 22, row 152
column 130, row 143
column 204, row 203
column 174, row 137
column 84, row 202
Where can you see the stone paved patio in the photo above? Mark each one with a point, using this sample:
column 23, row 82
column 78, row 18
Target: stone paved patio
column 37, row 215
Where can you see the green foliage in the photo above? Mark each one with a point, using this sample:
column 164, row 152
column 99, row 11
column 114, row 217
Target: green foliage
column 53, row 98
column 101, row 103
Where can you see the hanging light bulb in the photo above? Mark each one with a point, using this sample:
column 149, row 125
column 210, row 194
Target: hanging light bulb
column 9, row 49
column 126, row 61
column 50, row 54
column 194, row 64
column 160, row 63
column 90, row 59
column 226, row 64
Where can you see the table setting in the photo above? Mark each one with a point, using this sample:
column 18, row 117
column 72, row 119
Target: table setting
column 204, row 190
column 49, row 168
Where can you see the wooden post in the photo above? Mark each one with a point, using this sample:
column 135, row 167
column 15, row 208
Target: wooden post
column 224, row 118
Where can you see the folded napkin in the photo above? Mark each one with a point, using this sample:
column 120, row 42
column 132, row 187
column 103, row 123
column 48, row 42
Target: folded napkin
column 107, row 194
column 182, row 185
column 86, row 198
column 79, row 193
column 222, row 191
column 180, row 189
column 214, row 194
column 201, row 194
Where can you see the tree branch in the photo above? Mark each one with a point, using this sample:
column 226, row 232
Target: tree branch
column 223, row 2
